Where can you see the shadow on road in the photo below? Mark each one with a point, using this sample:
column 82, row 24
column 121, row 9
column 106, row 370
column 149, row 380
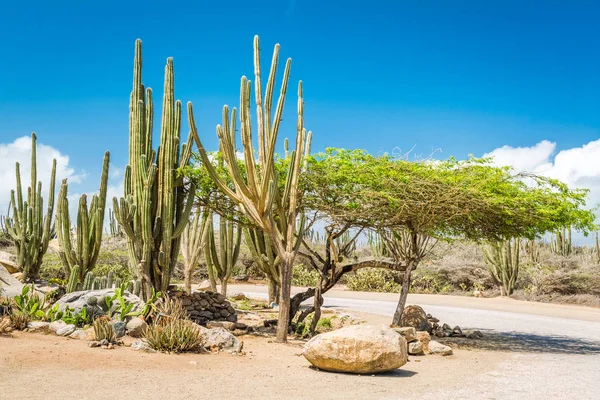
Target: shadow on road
column 397, row 373
column 525, row 343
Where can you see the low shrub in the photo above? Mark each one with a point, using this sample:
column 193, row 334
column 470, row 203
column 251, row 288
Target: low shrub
column 175, row 336
column 5, row 326
column 304, row 276
column 373, row 280
column 103, row 330
column 19, row 319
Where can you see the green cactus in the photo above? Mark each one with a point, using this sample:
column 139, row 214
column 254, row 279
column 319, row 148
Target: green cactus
column 73, row 279
column 222, row 256
column 117, row 283
column 266, row 259
column 109, row 280
column 377, row 245
column 137, row 287
column 97, row 285
column 156, row 206
column 88, row 283
column 502, row 258
column 560, row 242
column 192, row 239
column 82, row 251
column 79, row 287
column 115, row 228
column 28, row 228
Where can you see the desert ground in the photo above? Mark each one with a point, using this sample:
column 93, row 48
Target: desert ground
column 530, row 351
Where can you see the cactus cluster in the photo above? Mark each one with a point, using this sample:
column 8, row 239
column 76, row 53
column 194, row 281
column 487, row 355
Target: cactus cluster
column 115, row 228
column 28, row 228
column 502, row 258
column 156, row 206
column 377, row 245
column 560, row 242
column 82, row 251
column 192, row 244
column 221, row 255
column 265, row 257
column 90, row 281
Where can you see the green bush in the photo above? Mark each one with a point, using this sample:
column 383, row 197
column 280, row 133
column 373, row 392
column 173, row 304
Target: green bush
column 373, row 280
column 119, row 271
column 303, row 276
column 52, row 269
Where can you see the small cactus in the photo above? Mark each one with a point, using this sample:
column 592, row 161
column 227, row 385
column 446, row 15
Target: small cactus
column 109, row 281
column 89, row 281
column 73, row 279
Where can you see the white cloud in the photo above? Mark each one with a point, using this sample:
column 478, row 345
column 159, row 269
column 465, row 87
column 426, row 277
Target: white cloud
column 20, row 151
column 578, row 167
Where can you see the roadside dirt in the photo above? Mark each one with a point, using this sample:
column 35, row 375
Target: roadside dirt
column 39, row 366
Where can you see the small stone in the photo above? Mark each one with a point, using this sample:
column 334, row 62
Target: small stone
column 140, row 345
column 416, row 317
column 407, row 332
column 438, row 348
column 415, row 348
column 230, row 309
column 240, row 325
column 119, row 328
column 238, row 296
column 232, row 318
column 230, row 326
column 56, row 325
column 104, row 342
column 424, row 338
column 65, row 330
column 79, row 334
column 204, row 303
column 224, row 313
column 94, row 344
column 186, row 301
column 241, row 278
column 204, row 286
column 37, row 325
column 220, row 298
column 136, row 327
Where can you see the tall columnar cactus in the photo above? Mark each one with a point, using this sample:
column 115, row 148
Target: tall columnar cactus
column 266, row 259
column 192, row 244
column 155, row 208
column 28, row 228
column 502, row 258
column 222, row 256
column 269, row 206
column 82, row 250
column 115, row 228
column 561, row 242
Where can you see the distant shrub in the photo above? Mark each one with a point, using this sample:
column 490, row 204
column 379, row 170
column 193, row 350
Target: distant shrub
column 304, row 276
column 373, row 280
column 19, row 319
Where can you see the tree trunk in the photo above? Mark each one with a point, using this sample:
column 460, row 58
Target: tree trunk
column 273, row 290
column 187, row 280
column 403, row 295
column 224, row 287
column 285, row 290
column 318, row 303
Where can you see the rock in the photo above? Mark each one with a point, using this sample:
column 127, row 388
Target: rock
column 204, row 286
column 9, row 262
column 477, row 293
column 136, row 327
column 416, row 317
column 79, row 334
column 407, row 332
column 240, row 325
column 94, row 344
column 241, row 278
column 360, row 349
column 140, row 345
column 230, row 326
column 37, row 325
column 438, row 348
column 18, row 276
column 220, row 338
column 10, row 286
column 120, row 328
column 90, row 334
column 56, row 325
column 77, row 300
column 415, row 348
column 65, row 330
column 474, row 335
column 424, row 338
column 238, row 296
column 186, row 301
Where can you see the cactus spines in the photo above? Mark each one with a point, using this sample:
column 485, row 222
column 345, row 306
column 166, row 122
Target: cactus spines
column 155, row 207
column 221, row 258
column 502, row 258
column 267, row 205
column 137, row 287
column 97, row 284
column 82, row 251
column 28, row 228
column 73, row 279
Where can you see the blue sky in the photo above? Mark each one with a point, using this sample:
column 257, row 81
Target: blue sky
column 460, row 76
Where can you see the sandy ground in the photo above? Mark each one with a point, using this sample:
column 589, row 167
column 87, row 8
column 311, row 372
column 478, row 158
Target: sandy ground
column 38, row 366
column 530, row 351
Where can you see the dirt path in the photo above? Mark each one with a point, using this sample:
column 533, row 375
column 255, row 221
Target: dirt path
column 38, row 366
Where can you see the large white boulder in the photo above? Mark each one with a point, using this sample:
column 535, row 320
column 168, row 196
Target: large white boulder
column 360, row 349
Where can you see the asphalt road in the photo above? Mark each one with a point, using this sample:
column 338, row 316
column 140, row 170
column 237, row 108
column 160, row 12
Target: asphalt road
column 554, row 350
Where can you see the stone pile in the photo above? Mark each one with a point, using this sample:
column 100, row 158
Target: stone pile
column 203, row 307
column 445, row 330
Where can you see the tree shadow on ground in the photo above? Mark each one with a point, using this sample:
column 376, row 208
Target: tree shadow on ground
column 396, row 373
column 525, row 343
